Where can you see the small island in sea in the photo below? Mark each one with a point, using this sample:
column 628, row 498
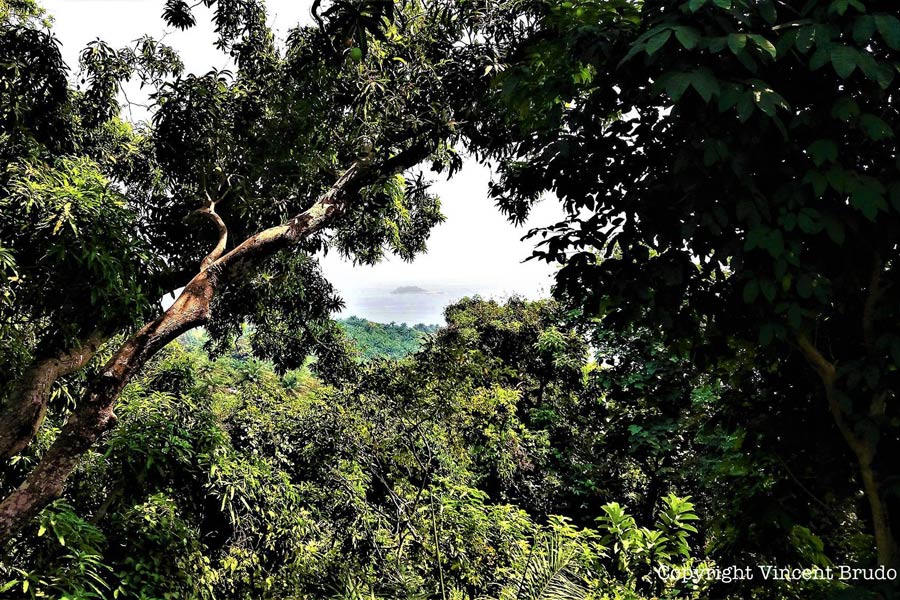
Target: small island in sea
column 410, row 289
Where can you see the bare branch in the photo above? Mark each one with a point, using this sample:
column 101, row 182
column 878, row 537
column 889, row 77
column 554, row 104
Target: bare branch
column 828, row 374
column 210, row 213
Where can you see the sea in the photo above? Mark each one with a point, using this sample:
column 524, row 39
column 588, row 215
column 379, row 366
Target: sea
column 412, row 304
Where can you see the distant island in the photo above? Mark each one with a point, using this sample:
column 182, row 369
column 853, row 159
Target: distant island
column 411, row 289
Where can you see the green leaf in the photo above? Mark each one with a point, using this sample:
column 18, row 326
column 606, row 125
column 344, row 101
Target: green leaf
column 818, row 182
column 766, row 98
column 745, row 106
column 635, row 48
column 789, row 221
column 695, row 5
column 869, row 66
column 875, row 128
column 819, row 59
column 754, row 238
column 839, row 6
column 729, row 95
column 845, row 109
column 767, row 11
column 751, row 291
column 822, row 151
column 726, row 4
column 658, row 41
column 867, row 195
column 8, row 585
column 838, row 178
column 676, row 84
column 786, row 42
column 805, row 38
column 889, row 28
column 737, row 42
column 774, row 243
column 884, row 75
column 843, row 59
column 705, row 83
column 863, row 28
column 687, row 37
column 809, row 220
column 717, row 44
column 764, row 44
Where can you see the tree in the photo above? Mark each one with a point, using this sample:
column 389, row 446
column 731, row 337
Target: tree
column 300, row 150
column 378, row 340
column 222, row 479
column 729, row 168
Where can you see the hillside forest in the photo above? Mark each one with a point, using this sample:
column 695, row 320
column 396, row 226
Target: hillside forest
column 704, row 407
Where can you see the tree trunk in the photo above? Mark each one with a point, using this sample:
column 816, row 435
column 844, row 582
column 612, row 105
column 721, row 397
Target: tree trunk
column 881, row 523
column 94, row 414
column 863, row 450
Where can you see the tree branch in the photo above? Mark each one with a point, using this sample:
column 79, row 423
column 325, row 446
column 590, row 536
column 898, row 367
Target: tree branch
column 828, row 374
column 26, row 406
column 862, row 448
column 822, row 366
column 210, row 213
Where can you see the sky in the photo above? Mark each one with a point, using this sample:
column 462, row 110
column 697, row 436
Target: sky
column 476, row 251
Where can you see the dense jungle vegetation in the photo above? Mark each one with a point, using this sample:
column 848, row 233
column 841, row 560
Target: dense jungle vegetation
column 385, row 340
column 713, row 384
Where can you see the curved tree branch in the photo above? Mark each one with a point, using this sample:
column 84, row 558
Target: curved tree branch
column 210, row 213
column 828, row 374
column 26, row 407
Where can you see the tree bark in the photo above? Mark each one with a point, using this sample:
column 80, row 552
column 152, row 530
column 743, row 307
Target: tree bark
column 881, row 523
column 26, row 407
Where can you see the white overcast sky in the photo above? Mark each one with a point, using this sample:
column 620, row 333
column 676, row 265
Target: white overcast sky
column 475, row 251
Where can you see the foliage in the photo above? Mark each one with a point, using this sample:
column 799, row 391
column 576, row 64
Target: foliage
column 379, row 340
column 730, row 178
column 728, row 169
column 71, row 229
column 224, row 479
column 309, row 144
